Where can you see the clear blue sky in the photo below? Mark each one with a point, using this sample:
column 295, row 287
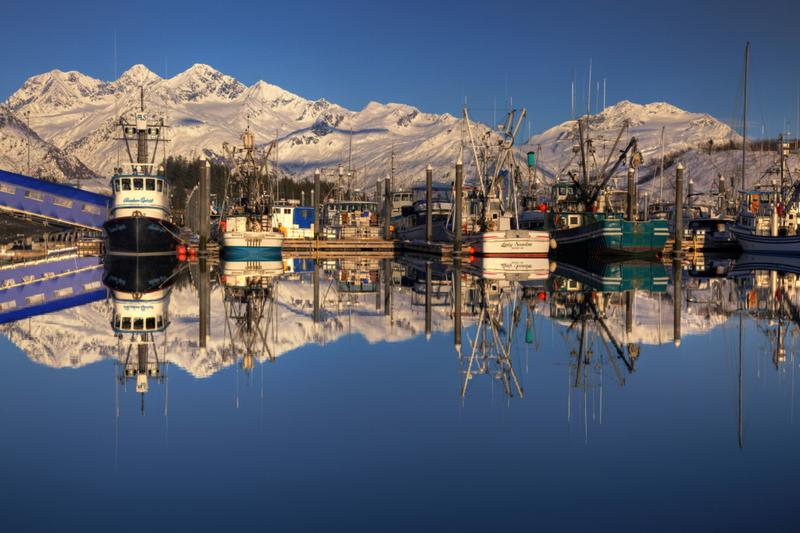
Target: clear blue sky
column 430, row 54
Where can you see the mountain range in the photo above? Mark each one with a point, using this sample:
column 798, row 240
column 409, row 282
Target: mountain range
column 72, row 116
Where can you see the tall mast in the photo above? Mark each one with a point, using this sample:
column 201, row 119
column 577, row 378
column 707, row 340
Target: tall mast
column 142, row 144
column 744, row 124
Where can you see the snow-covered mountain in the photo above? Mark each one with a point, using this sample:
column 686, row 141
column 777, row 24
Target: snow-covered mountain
column 205, row 108
column 46, row 160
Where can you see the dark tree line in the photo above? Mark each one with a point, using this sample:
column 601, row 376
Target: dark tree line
column 289, row 189
column 185, row 174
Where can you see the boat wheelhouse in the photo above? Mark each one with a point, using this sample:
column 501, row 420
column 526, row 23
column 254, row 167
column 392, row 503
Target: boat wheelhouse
column 400, row 199
column 297, row 220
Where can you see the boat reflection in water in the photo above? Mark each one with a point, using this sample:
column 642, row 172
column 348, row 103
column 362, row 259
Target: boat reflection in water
column 492, row 300
column 248, row 298
column 140, row 290
column 766, row 287
column 583, row 299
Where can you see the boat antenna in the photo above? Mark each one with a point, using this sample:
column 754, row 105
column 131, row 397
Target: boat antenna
column 589, row 99
column 744, row 122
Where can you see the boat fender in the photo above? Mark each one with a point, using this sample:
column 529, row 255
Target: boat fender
column 223, row 225
column 553, row 266
column 553, row 244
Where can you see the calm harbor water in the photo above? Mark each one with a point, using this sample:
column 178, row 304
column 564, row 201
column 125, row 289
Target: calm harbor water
column 569, row 404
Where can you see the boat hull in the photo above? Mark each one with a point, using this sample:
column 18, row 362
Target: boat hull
column 141, row 235
column 509, row 243
column 241, row 245
column 612, row 237
column 788, row 245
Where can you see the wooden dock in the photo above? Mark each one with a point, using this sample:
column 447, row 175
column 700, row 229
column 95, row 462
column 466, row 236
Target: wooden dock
column 367, row 247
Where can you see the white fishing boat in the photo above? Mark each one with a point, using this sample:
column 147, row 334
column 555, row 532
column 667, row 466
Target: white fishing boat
column 489, row 216
column 140, row 215
column 766, row 222
column 246, row 228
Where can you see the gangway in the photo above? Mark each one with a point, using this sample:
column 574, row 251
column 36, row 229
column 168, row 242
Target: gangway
column 52, row 202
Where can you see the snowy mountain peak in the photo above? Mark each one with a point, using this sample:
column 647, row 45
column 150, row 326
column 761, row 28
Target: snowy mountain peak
column 636, row 114
column 140, row 73
column 272, row 96
column 202, row 82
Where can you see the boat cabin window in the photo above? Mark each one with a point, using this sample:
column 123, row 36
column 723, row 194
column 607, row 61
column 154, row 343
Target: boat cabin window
column 151, row 323
column 126, row 322
column 116, row 185
column 159, row 185
column 138, row 323
column 126, row 184
column 287, row 211
column 116, row 321
column 150, row 184
column 138, row 184
column 159, row 322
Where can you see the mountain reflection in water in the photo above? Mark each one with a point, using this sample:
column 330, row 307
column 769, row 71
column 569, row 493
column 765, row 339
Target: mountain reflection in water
column 434, row 354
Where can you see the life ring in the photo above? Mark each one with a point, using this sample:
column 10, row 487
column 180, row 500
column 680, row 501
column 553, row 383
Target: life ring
column 490, row 225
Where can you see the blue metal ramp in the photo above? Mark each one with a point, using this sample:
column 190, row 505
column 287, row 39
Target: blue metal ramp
column 60, row 204
column 43, row 286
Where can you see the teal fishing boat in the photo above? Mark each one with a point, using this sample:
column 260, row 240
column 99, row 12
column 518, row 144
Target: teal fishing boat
column 591, row 218
column 601, row 230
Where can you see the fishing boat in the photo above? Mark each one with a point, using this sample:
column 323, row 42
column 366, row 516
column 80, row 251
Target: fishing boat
column 706, row 224
column 585, row 217
column 246, row 228
column 767, row 219
column 489, row 211
column 412, row 224
column 140, row 217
